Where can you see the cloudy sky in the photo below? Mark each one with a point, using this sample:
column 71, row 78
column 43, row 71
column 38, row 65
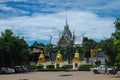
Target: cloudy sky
column 36, row 20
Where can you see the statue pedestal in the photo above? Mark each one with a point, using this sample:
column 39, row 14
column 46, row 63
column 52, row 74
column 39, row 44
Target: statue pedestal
column 58, row 60
column 76, row 65
column 44, row 65
column 57, row 65
column 41, row 60
column 76, row 60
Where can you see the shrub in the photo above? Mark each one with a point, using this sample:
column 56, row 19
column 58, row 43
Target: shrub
column 85, row 67
column 40, row 67
column 32, row 67
column 50, row 67
column 97, row 63
column 65, row 67
column 118, row 67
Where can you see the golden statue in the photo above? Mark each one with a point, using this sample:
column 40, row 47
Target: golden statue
column 58, row 58
column 41, row 58
column 76, row 57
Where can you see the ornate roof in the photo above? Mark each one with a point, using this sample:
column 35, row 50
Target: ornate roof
column 66, row 38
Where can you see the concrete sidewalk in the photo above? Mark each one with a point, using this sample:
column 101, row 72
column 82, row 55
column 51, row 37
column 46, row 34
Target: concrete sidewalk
column 78, row 75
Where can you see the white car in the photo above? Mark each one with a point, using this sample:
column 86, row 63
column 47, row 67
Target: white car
column 101, row 69
column 7, row 70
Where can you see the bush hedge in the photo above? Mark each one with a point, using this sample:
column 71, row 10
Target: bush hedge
column 118, row 67
column 40, row 67
column 32, row 67
column 50, row 66
column 65, row 67
column 85, row 67
column 54, row 69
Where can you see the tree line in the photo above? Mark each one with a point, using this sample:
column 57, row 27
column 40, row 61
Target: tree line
column 13, row 49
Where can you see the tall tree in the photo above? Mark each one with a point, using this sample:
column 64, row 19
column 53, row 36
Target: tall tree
column 116, row 36
column 87, row 45
column 13, row 50
column 49, row 50
column 42, row 44
column 35, row 43
column 109, row 49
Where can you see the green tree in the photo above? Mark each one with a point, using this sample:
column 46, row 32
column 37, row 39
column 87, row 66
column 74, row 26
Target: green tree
column 116, row 36
column 42, row 44
column 68, row 51
column 109, row 49
column 13, row 50
column 87, row 45
column 35, row 43
column 49, row 50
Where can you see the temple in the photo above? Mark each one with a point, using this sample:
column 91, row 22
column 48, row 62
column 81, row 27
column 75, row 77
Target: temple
column 67, row 38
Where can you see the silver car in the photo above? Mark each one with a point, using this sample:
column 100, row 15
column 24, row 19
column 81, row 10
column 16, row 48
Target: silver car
column 101, row 69
column 7, row 70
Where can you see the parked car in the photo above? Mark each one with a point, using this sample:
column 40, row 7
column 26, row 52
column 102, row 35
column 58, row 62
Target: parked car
column 20, row 69
column 0, row 71
column 7, row 70
column 101, row 69
column 24, row 69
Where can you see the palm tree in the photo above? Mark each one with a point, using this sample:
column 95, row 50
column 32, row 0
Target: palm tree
column 49, row 50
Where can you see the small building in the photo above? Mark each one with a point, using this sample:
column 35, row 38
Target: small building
column 98, row 55
column 34, row 52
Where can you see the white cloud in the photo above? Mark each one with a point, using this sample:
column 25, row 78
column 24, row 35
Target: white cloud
column 3, row 7
column 105, row 5
column 40, row 27
column 9, row 11
column 29, row 7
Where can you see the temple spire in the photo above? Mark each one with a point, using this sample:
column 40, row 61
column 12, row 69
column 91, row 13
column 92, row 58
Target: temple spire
column 66, row 17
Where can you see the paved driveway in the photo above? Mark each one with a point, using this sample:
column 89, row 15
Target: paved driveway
column 79, row 75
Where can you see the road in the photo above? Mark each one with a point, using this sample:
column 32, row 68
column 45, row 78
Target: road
column 78, row 75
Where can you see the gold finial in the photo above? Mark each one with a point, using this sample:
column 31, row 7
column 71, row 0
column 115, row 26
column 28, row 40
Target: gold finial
column 66, row 17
